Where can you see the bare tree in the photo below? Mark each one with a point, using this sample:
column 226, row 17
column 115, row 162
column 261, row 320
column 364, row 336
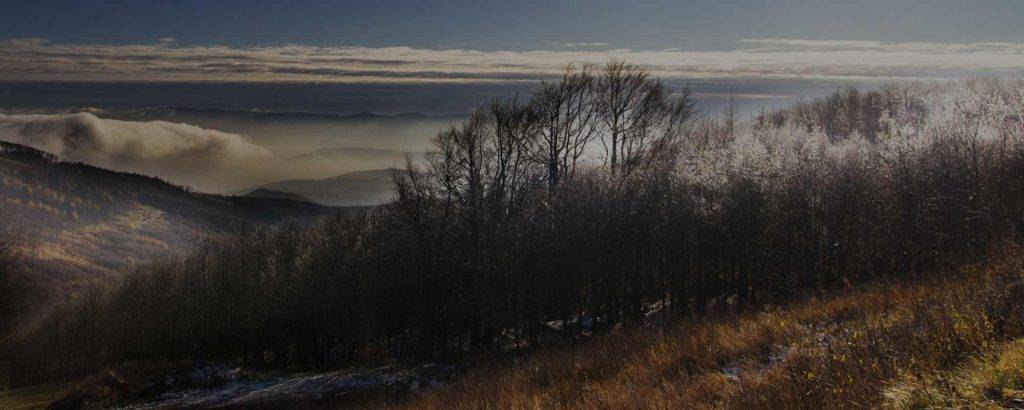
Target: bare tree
column 631, row 106
column 658, row 137
column 512, row 141
column 731, row 111
column 567, row 117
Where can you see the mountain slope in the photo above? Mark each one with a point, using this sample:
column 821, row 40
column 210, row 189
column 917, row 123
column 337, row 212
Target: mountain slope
column 911, row 344
column 86, row 222
column 357, row 153
column 271, row 194
column 358, row 188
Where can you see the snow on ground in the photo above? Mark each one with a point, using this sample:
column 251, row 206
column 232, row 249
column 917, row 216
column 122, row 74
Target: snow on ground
column 240, row 389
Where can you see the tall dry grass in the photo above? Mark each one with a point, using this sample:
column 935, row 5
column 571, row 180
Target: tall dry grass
column 993, row 379
column 843, row 350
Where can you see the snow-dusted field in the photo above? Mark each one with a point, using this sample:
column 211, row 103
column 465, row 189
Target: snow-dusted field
column 242, row 388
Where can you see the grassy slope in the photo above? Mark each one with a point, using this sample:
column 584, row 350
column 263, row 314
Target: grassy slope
column 954, row 340
column 854, row 349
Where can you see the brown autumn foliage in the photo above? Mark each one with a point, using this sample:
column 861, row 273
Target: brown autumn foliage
column 844, row 349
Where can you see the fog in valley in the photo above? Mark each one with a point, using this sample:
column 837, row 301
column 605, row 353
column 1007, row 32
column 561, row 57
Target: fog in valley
column 243, row 136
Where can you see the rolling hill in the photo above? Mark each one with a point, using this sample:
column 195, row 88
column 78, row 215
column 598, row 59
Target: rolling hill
column 85, row 223
column 343, row 153
column 360, row 188
column 271, row 194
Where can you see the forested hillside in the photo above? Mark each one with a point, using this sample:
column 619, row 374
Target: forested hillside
column 600, row 201
column 80, row 223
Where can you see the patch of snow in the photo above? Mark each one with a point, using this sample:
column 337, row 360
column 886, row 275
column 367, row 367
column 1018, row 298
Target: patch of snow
column 732, row 372
column 239, row 390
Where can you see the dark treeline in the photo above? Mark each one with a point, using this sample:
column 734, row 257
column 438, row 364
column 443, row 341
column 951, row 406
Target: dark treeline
column 13, row 296
column 11, row 293
column 597, row 199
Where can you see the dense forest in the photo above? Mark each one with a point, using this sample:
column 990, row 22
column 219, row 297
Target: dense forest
column 600, row 199
column 11, row 295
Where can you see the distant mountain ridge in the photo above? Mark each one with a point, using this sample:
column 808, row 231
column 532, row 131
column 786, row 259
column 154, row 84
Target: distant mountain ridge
column 368, row 153
column 360, row 188
column 271, row 194
column 167, row 110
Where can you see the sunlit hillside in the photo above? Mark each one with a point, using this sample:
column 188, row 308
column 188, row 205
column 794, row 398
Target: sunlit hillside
column 80, row 224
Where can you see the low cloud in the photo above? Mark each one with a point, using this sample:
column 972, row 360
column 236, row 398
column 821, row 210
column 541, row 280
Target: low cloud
column 206, row 159
column 780, row 44
column 167, row 60
column 257, row 151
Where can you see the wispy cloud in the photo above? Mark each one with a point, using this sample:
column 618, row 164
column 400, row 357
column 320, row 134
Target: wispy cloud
column 166, row 60
column 779, row 44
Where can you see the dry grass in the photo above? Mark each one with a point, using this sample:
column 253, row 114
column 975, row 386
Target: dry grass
column 840, row 351
column 994, row 379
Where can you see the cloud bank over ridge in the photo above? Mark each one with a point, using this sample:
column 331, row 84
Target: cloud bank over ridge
column 166, row 60
column 206, row 159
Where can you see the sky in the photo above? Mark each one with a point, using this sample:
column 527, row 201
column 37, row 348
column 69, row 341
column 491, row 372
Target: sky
column 510, row 25
column 415, row 41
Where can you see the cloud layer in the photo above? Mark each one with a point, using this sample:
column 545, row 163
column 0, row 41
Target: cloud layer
column 39, row 59
column 206, row 159
column 265, row 150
